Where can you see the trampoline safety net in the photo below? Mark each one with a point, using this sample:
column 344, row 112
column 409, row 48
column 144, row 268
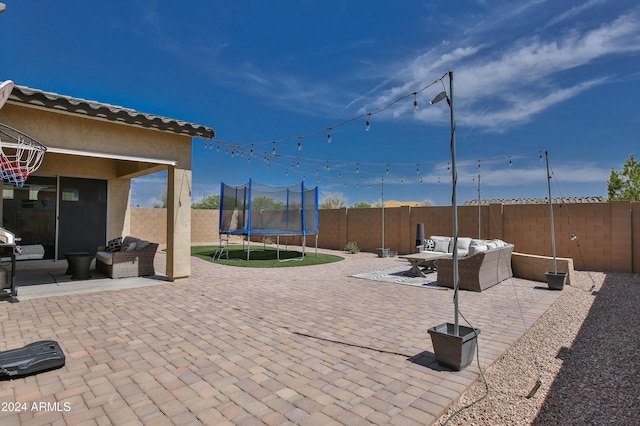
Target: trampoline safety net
column 255, row 209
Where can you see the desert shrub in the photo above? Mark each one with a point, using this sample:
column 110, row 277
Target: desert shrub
column 352, row 247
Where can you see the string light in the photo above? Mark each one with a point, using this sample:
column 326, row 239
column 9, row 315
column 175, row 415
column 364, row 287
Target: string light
column 242, row 149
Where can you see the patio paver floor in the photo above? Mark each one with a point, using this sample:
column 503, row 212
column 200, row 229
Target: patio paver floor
column 309, row 346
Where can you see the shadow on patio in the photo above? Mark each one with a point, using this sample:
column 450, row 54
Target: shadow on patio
column 44, row 278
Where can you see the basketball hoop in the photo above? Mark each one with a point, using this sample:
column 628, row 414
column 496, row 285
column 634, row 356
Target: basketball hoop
column 5, row 90
column 20, row 155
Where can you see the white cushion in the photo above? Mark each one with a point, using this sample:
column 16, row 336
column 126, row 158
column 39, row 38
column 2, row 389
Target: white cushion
column 104, row 257
column 442, row 243
column 478, row 242
column 477, row 249
column 463, row 246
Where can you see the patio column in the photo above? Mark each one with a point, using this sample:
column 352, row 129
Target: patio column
column 178, row 223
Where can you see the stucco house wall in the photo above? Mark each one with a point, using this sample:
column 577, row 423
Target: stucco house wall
column 115, row 148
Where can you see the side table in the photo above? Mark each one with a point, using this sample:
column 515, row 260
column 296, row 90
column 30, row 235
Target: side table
column 79, row 264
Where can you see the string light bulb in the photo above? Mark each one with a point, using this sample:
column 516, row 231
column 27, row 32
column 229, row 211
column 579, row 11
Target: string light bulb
column 368, row 124
column 415, row 101
column 299, row 144
column 273, row 149
column 329, row 136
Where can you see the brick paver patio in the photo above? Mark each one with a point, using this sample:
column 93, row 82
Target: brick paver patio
column 244, row 346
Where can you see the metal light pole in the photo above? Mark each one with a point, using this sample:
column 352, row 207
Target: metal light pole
column 454, row 182
column 479, row 206
column 382, row 195
column 553, row 232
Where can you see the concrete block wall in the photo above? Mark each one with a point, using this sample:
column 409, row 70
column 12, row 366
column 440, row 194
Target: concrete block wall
column 608, row 234
column 149, row 224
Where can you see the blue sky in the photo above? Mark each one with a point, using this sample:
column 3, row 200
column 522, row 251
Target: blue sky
column 529, row 76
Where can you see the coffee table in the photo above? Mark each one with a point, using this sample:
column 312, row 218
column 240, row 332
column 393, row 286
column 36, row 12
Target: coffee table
column 424, row 258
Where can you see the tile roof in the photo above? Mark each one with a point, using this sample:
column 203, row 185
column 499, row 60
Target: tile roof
column 559, row 200
column 82, row 107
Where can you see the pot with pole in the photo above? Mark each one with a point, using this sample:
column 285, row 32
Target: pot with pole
column 555, row 279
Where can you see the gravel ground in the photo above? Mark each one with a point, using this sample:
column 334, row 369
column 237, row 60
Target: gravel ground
column 585, row 350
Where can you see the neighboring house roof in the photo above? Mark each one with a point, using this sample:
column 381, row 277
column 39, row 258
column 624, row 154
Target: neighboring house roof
column 559, row 200
column 82, row 107
column 394, row 203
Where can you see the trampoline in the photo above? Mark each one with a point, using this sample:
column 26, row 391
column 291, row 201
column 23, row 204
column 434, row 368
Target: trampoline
column 258, row 210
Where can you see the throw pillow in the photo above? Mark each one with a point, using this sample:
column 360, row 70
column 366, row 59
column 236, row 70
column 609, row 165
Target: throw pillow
column 142, row 244
column 429, row 245
column 131, row 246
column 442, row 246
column 114, row 245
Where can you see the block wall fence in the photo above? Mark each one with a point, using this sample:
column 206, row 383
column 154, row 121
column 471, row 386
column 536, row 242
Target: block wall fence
column 608, row 234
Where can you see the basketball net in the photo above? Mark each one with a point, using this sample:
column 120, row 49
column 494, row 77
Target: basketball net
column 20, row 155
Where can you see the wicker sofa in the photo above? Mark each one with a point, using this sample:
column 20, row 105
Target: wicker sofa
column 128, row 257
column 478, row 271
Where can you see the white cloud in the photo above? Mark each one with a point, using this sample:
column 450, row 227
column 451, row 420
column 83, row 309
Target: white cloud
column 575, row 10
column 520, row 78
column 563, row 173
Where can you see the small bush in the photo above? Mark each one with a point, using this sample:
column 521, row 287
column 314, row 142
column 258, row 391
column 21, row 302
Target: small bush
column 352, row 247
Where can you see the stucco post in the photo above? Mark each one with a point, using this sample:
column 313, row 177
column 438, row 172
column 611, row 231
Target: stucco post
column 178, row 223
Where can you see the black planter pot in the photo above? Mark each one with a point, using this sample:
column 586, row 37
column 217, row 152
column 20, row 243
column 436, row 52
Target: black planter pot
column 383, row 252
column 454, row 352
column 556, row 280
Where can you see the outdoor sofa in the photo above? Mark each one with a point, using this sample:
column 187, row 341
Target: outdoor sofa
column 128, row 257
column 481, row 263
